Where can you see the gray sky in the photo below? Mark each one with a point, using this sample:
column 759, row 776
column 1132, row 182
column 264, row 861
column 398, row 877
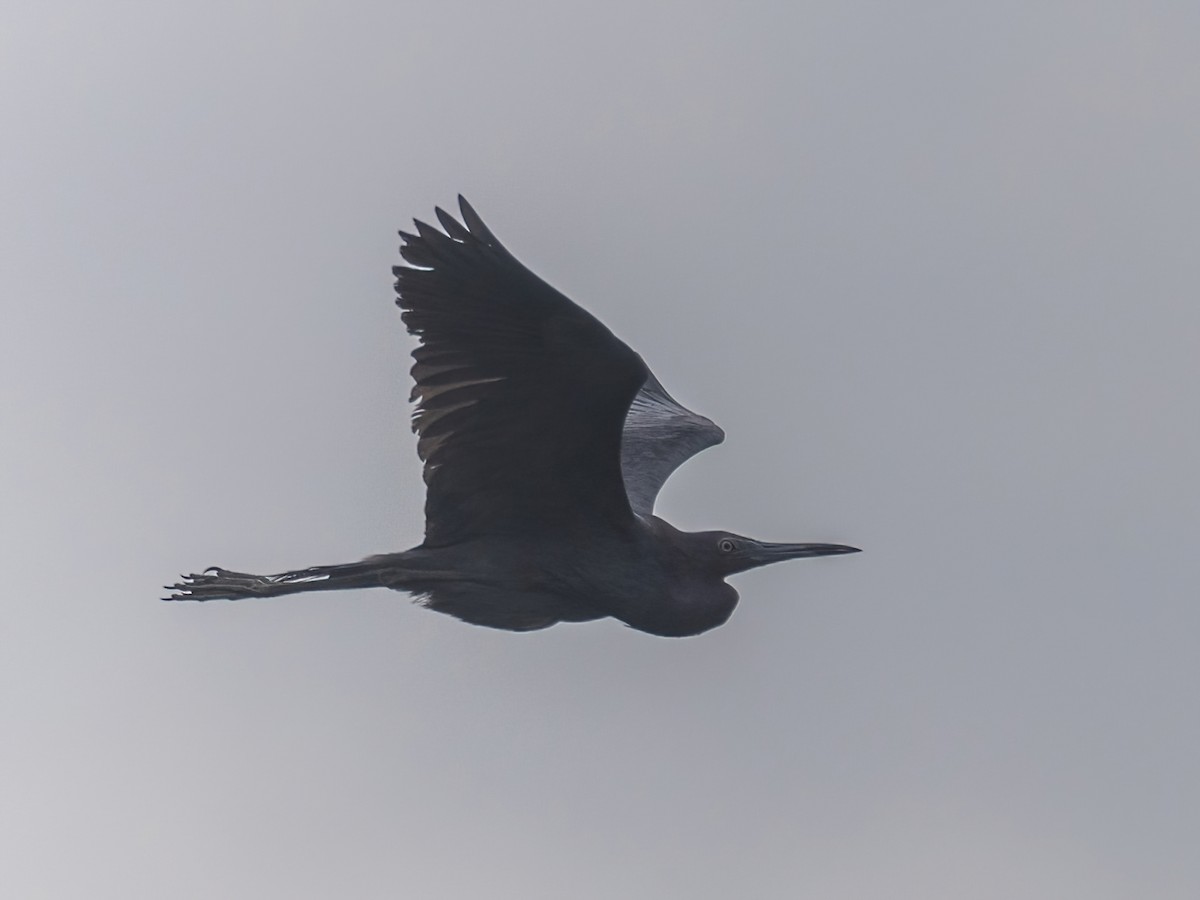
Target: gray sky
column 932, row 266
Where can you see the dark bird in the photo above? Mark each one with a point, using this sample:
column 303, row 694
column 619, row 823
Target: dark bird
column 545, row 441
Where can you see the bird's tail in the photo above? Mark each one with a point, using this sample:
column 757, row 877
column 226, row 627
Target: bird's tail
column 216, row 583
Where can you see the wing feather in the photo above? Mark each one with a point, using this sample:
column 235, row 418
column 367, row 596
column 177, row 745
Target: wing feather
column 659, row 436
column 521, row 395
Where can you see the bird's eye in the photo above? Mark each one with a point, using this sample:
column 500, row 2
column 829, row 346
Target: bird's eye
column 725, row 545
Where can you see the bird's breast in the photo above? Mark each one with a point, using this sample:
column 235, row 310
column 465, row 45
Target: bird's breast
column 680, row 609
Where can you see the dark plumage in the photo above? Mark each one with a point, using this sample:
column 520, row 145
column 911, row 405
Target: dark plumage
column 545, row 441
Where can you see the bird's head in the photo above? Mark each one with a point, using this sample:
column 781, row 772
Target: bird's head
column 729, row 554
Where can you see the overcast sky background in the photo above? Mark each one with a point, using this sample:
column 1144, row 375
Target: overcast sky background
column 933, row 266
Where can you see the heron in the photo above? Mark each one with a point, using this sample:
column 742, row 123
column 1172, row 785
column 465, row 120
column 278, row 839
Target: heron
column 545, row 441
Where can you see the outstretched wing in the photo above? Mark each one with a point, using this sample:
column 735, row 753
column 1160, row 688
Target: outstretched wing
column 660, row 435
column 521, row 395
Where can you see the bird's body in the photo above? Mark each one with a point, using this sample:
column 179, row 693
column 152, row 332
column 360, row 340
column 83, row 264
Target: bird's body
column 545, row 440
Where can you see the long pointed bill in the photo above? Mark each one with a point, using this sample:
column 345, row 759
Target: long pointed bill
column 752, row 554
column 771, row 553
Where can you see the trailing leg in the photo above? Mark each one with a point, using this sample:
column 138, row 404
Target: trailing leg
column 216, row 583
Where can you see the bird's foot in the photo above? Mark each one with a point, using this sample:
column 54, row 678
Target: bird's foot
column 215, row 583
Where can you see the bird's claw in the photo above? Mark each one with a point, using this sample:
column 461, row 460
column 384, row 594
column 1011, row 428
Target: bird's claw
column 215, row 583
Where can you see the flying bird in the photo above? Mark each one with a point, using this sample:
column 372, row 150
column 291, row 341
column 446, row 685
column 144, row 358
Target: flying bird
column 545, row 441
